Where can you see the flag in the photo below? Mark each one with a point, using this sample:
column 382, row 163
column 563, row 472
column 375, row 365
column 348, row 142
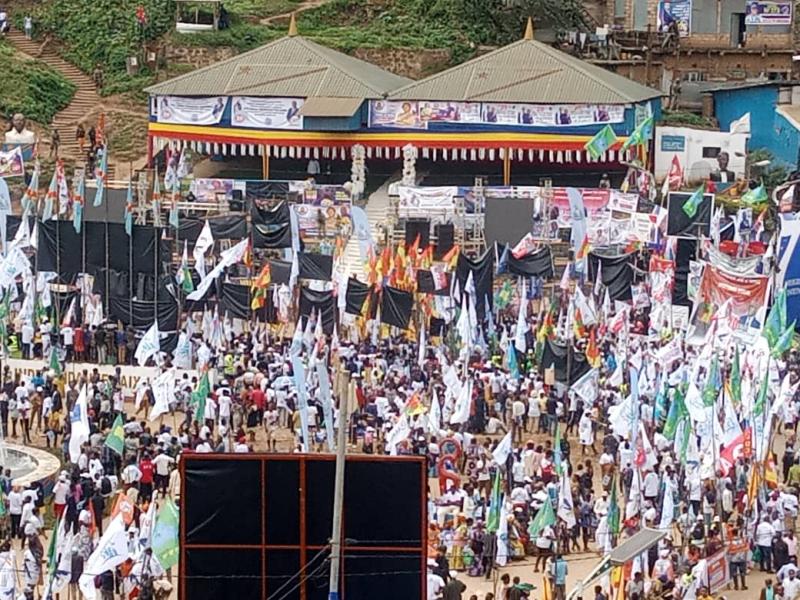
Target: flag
column 613, row 509
column 204, row 241
column 184, row 277
column 641, row 135
column 757, row 195
column 165, row 535
column 566, row 508
column 79, row 426
column 761, row 399
column 50, row 197
column 544, row 518
column 55, row 364
column 199, row 398
column 503, row 450
column 592, row 351
column 740, row 125
column 511, row 362
column 149, row 345
column 674, row 180
column 493, row 519
column 78, row 200
column 602, row 141
column 129, row 209
column 414, row 406
column 258, row 291
column 31, row 195
column 557, row 460
column 784, row 342
column 693, row 203
column 776, row 321
column 123, row 506
column 111, row 551
column 116, row 437
column 101, row 173
column 713, row 383
column 736, row 379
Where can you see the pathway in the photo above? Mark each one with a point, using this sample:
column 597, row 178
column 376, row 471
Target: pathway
column 85, row 100
column 300, row 8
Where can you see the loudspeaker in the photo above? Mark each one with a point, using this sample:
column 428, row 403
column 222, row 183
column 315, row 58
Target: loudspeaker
column 236, row 203
column 421, row 228
column 445, row 234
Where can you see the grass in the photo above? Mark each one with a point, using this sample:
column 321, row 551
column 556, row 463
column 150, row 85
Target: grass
column 261, row 8
column 31, row 87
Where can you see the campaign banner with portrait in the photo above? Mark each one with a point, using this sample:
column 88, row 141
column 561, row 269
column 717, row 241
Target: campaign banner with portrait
column 420, row 201
column 11, row 163
column 677, row 13
column 179, row 110
column 409, row 114
column 311, row 218
column 767, row 12
column 326, row 195
column 266, row 113
column 212, row 190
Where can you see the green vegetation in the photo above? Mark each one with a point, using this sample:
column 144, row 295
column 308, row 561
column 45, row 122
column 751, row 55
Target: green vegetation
column 106, row 33
column 680, row 118
column 31, row 87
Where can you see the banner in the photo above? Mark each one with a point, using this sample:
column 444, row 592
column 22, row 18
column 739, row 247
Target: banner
column 417, row 201
column 623, row 202
column 266, row 113
column 11, row 163
column 765, row 12
column 717, row 571
column 212, row 190
column 789, row 264
column 746, row 294
column 408, row 114
column 129, row 378
column 180, row 110
column 675, row 11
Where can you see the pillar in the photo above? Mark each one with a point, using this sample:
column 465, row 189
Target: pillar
column 265, row 162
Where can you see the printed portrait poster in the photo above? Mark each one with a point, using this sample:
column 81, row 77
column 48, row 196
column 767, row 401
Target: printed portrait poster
column 761, row 12
column 402, row 114
column 450, row 112
column 11, row 163
column 266, row 113
column 179, row 110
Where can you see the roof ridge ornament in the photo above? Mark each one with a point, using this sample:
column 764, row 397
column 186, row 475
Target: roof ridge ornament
column 292, row 26
column 528, row 30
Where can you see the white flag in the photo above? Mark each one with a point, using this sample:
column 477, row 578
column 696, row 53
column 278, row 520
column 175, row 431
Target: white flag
column 502, row 537
column 79, row 426
column 204, row 241
column 422, row 346
column 566, row 509
column 667, row 509
column 435, row 415
column 163, row 392
column 227, row 258
column 586, row 386
column 149, row 345
column 111, row 551
column 399, row 432
column 741, row 125
column 520, row 342
column 8, row 576
column 500, row 454
column 182, row 356
column 588, row 314
column 463, row 404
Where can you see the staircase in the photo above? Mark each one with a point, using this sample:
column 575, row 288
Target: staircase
column 377, row 210
column 83, row 103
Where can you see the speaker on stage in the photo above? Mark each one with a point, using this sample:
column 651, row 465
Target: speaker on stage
column 445, row 234
column 421, row 228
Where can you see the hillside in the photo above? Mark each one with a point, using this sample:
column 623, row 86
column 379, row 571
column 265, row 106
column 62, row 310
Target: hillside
column 106, row 33
column 30, row 87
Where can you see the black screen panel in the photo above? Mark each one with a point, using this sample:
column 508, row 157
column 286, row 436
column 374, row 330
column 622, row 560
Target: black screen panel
column 217, row 573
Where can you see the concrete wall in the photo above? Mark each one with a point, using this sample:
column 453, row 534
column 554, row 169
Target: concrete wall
column 786, row 139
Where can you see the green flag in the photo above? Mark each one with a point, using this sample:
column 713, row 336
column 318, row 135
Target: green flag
column 613, row 509
column 187, row 284
column 557, row 451
column 3, row 509
column 199, row 398
column 543, row 518
column 677, row 410
column 736, row 379
column 641, row 135
column 687, row 430
column 784, row 342
column 755, row 196
column 493, row 519
column 761, row 399
column 602, row 141
column 776, row 321
column 711, row 388
column 116, row 437
column 165, row 535
column 52, row 551
column 55, row 364
column 693, row 203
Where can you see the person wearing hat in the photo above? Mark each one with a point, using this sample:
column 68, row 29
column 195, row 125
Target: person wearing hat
column 435, row 582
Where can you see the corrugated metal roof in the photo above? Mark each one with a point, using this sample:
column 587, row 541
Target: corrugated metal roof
column 290, row 66
column 635, row 545
column 330, row 107
column 527, row 71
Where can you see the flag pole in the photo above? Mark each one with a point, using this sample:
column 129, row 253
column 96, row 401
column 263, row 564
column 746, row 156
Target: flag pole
column 130, row 243
column 156, row 249
column 338, row 499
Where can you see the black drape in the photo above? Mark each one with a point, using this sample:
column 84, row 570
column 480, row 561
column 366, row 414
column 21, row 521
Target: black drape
column 426, row 285
column 315, row 266
column 617, row 273
column 226, row 227
column 555, row 355
column 536, row 264
column 483, row 276
column 235, row 300
column 321, row 303
column 356, row 294
column 140, row 313
column 396, row 306
column 679, row 223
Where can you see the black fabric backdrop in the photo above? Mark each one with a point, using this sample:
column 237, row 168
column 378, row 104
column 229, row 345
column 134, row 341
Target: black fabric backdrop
column 396, row 306
column 425, row 284
column 265, row 216
column 280, row 271
column 272, row 236
column 555, row 355
column 235, row 300
column 483, row 276
column 142, row 313
column 535, row 264
column 617, row 274
column 321, row 303
column 229, row 227
column 686, row 251
column 315, row 266
column 679, row 223
column 356, row 295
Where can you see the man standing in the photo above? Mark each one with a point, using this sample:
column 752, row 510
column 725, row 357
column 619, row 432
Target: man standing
column 764, row 534
column 558, row 577
column 737, row 557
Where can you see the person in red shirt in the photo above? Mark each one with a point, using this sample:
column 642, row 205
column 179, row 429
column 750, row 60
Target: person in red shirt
column 146, row 482
column 259, row 400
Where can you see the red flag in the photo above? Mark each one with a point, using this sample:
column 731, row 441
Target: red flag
column 675, row 176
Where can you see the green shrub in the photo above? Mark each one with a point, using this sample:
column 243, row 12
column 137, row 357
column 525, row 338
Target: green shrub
column 31, row 87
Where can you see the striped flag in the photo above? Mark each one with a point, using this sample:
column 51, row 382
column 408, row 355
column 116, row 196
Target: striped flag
column 601, row 142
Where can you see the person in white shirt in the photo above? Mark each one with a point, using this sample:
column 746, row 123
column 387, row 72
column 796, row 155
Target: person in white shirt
column 15, row 510
column 764, row 534
column 791, row 585
column 60, row 491
column 435, row 583
column 162, row 463
column 131, row 474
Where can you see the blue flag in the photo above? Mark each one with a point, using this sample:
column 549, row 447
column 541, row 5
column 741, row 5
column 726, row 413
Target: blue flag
column 101, row 173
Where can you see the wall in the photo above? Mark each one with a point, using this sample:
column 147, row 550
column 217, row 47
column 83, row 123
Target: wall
column 785, row 138
column 688, row 144
column 196, row 56
column 760, row 102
